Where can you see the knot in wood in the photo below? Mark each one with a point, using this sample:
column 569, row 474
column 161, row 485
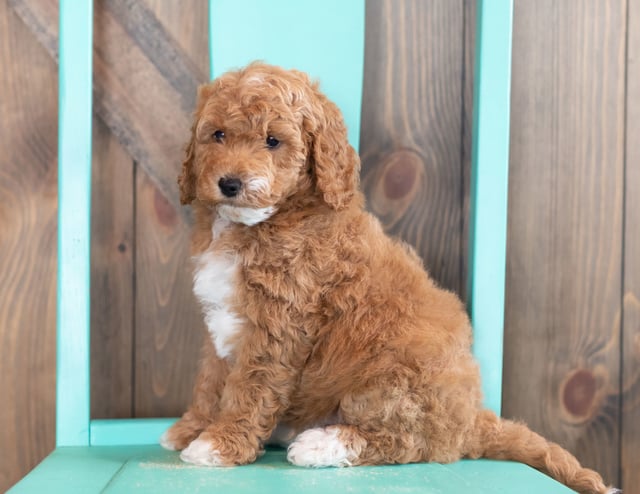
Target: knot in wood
column 578, row 394
column 400, row 174
column 165, row 212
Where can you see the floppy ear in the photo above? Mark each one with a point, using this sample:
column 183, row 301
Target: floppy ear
column 187, row 178
column 335, row 163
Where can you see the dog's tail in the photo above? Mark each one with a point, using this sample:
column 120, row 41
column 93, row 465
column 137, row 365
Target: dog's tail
column 503, row 439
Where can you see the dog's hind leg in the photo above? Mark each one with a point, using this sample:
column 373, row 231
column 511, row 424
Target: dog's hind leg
column 346, row 445
column 401, row 416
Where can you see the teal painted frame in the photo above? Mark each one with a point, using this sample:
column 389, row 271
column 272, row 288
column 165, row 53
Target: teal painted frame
column 489, row 189
column 121, row 432
column 489, row 186
column 74, row 228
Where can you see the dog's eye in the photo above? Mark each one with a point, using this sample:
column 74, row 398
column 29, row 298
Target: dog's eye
column 272, row 142
column 218, row 135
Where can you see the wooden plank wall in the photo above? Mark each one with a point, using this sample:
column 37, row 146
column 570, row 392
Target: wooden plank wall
column 573, row 316
column 412, row 127
column 28, row 200
column 630, row 351
column 563, row 305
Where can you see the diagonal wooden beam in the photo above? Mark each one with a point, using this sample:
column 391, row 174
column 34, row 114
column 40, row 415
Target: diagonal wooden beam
column 144, row 28
column 144, row 83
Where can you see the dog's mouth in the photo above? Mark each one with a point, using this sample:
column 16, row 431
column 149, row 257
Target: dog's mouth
column 245, row 215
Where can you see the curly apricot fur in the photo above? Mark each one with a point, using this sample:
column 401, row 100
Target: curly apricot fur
column 341, row 323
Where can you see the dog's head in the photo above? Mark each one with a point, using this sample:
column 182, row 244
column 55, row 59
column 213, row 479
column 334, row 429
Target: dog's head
column 261, row 136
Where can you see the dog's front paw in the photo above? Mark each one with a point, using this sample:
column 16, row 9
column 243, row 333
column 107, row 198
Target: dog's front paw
column 220, row 449
column 202, row 452
column 180, row 434
column 167, row 442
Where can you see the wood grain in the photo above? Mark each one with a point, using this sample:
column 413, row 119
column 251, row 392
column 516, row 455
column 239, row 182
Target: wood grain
column 412, row 128
column 138, row 104
column 469, row 39
column 143, row 81
column 190, row 32
column 630, row 447
column 169, row 323
column 28, row 205
column 112, row 276
column 562, row 345
column 144, row 90
column 147, row 32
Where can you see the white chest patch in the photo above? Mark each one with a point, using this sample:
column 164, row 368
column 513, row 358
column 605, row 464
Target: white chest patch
column 214, row 282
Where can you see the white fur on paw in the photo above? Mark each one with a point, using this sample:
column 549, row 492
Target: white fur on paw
column 320, row 448
column 199, row 452
column 166, row 443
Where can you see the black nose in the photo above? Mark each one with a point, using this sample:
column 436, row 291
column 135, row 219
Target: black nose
column 230, row 187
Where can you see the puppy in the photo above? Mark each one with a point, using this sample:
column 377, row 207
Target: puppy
column 324, row 334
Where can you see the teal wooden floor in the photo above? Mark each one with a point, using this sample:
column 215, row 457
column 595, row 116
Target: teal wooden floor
column 131, row 469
